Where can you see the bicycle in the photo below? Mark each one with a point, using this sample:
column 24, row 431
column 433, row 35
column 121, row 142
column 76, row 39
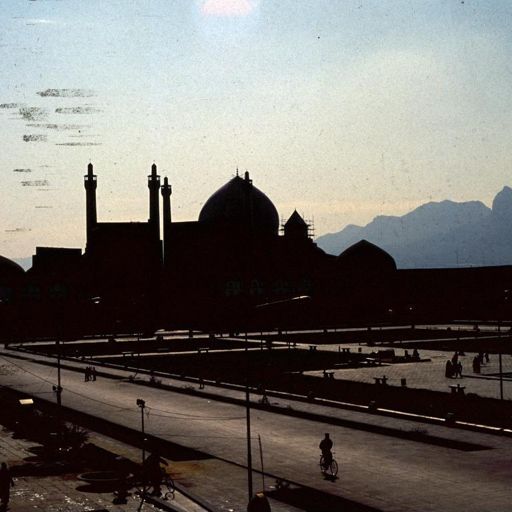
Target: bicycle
column 330, row 470
column 168, row 487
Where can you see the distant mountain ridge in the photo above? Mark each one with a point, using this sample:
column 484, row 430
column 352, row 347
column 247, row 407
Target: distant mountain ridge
column 438, row 234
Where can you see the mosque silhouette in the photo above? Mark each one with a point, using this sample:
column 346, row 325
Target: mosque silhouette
column 236, row 267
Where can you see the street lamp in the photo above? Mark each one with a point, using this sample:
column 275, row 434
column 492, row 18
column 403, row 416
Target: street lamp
column 142, row 404
column 296, row 300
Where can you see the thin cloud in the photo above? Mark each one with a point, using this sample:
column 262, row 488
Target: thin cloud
column 40, row 21
column 66, row 93
column 78, row 144
column 33, row 113
column 35, row 138
column 52, row 126
column 10, row 105
column 35, row 183
column 77, row 110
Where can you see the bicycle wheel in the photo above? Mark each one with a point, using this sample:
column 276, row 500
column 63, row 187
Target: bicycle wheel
column 169, row 488
column 322, row 464
column 333, row 468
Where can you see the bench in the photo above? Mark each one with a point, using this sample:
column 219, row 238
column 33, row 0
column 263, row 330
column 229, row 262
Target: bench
column 381, row 380
column 457, row 389
column 312, row 348
column 328, row 375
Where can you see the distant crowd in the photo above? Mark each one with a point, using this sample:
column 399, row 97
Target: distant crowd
column 453, row 367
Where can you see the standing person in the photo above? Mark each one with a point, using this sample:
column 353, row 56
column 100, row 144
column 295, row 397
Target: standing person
column 93, row 372
column 6, row 482
column 326, row 446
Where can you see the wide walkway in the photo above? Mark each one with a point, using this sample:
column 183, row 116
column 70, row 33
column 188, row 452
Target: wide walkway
column 382, row 471
column 431, row 374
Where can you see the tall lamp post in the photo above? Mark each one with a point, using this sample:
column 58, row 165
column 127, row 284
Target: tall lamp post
column 248, row 421
column 266, row 305
column 142, row 404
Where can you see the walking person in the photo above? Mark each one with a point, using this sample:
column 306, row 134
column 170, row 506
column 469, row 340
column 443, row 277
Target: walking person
column 6, row 482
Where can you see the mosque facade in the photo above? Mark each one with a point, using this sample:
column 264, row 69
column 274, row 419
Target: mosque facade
column 236, row 266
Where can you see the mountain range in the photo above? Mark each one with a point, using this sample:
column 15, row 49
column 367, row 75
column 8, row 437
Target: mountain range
column 438, row 234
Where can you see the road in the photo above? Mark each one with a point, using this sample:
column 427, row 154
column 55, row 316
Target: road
column 388, row 473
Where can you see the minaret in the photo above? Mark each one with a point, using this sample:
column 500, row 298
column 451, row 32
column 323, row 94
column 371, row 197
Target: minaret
column 90, row 195
column 154, row 206
column 166, row 213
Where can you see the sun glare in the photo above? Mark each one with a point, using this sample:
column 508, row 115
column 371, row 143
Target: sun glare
column 228, row 8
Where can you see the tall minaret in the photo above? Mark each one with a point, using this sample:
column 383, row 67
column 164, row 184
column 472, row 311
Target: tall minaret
column 154, row 205
column 166, row 213
column 90, row 195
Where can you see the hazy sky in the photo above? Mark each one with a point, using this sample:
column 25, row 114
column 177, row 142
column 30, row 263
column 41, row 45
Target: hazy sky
column 342, row 109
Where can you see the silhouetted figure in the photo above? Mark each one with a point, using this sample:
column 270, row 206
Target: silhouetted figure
column 259, row 503
column 458, row 370
column 486, row 356
column 6, row 482
column 455, row 358
column 326, row 446
column 153, row 471
column 448, row 372
column 415, row 355
column 476, row 364
column 93, row 373
column 87, row 374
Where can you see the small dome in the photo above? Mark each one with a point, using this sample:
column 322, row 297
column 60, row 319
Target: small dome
column 9, row 269
column 295, row 220
column 240, row 202
column 366, row 256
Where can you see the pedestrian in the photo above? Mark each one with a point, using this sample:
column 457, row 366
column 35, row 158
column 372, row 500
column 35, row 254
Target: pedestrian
column 86, row 374
column 448, row 372
column 6, row 482
column 93, row 372
column 486, row 355
column 458, row 370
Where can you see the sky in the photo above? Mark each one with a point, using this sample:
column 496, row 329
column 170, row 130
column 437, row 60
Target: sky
column 341, row 109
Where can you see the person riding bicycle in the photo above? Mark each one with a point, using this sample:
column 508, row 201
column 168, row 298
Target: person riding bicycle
column 153, row 471
column 326, row 445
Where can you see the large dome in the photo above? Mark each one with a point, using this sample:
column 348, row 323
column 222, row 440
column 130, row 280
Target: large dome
column 9, row 269
column 366, row 257
column 239, row 202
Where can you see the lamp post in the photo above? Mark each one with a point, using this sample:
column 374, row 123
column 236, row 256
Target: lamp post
column 58, row 389
column 248, row 418
column 292, row 300
column 142, row 404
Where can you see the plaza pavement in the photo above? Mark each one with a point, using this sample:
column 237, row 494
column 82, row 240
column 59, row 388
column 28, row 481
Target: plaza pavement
column 382, row 471
column 431, row 374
